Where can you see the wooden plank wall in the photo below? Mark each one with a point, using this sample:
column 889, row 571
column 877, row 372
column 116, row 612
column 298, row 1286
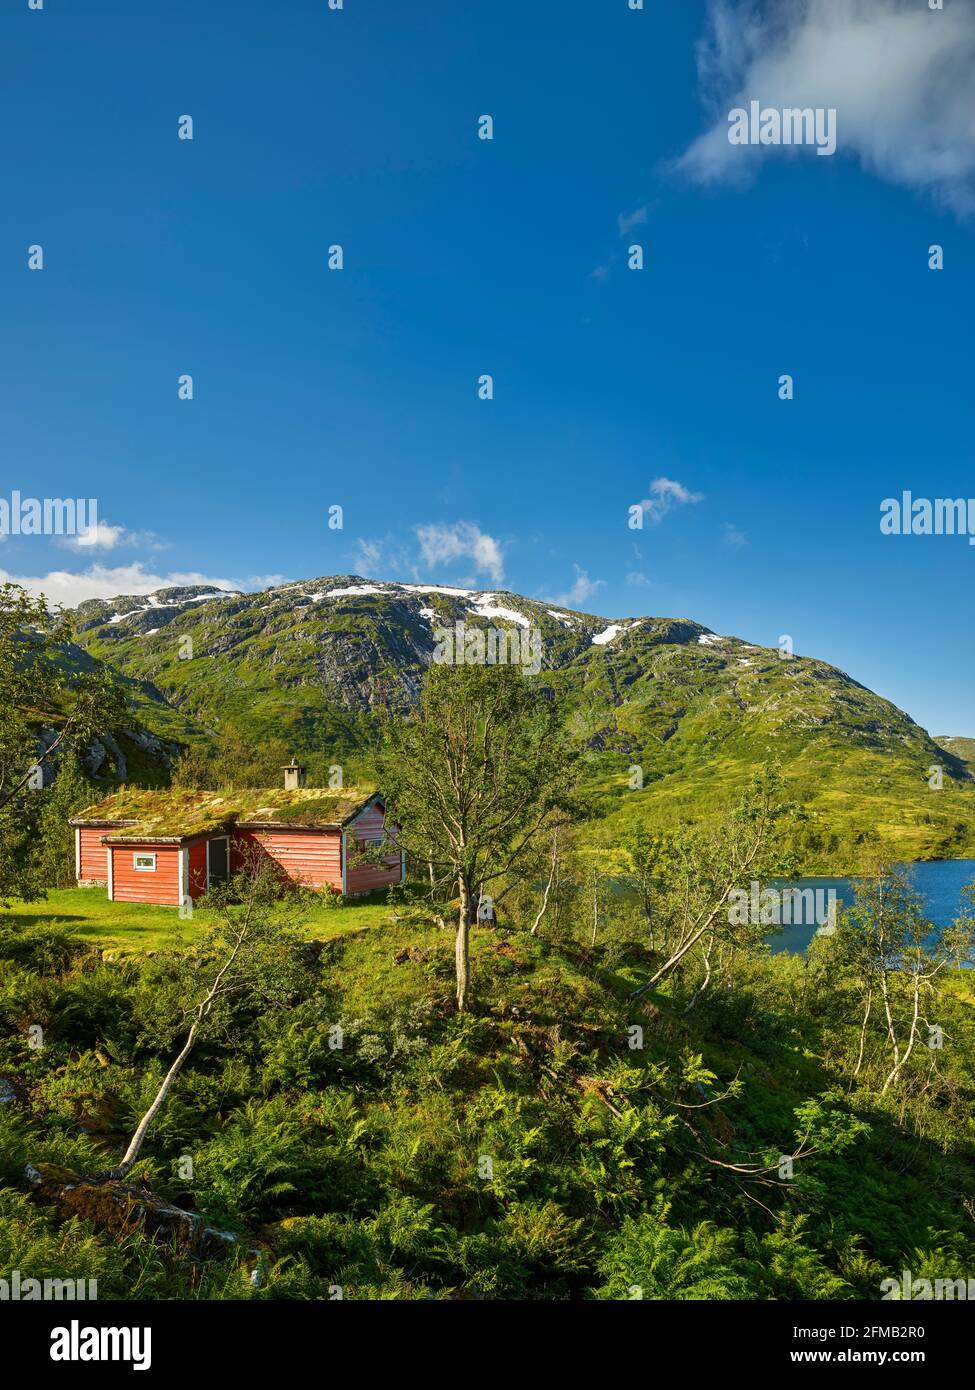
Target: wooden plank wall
column 131, row 885
column 94, row 859
column 313, row 857
column 366, row 877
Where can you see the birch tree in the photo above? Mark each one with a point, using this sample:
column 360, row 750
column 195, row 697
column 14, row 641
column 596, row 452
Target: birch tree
column 479, row 773
column 898, row 959
column 704, row 869
column 249, row 955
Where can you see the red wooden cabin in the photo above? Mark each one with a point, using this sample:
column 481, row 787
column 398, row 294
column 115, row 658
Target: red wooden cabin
column 169, row 846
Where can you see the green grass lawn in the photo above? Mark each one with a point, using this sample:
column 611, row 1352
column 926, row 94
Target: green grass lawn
column 134, row 927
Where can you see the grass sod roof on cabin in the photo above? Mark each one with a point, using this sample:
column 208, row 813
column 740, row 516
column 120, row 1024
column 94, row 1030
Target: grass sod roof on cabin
column 181, row 814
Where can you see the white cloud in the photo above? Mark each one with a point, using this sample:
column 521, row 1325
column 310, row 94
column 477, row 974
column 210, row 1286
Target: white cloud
column 898, row 73
column 463, row 540
column 665, row 494
column 104, row 536
column 102, row 581
column 368, row 557
column 733, row 535
column 627, row 221
column 101, row 536
column 582, row 589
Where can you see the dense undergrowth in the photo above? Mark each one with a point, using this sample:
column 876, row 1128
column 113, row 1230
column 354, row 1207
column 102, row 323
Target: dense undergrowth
column 366, row 1141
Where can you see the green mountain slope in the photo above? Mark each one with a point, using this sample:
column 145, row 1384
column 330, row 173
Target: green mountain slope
column 963, row 748
column 143, row 751
column 319, row 662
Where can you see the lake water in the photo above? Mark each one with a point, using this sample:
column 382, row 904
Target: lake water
column 939, row 881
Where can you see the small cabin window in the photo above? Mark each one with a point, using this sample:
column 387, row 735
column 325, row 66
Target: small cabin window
column 145, row 863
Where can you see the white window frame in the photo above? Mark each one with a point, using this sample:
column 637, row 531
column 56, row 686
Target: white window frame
column 143, row 868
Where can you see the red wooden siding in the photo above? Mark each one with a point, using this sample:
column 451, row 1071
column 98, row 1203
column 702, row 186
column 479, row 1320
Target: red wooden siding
column 93, row 866
column 313, row 857
column 364, row 878
column 131, row 885
column 198, row 868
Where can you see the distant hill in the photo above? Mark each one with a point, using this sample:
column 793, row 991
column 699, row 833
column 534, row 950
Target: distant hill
column 143, row 751
column 318, row 662
column 963, row 748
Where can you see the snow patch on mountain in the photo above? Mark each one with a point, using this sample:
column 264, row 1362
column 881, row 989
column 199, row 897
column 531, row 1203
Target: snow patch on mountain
column 603, row 639
column 156, row 602
column 487, row 608
column 437, row 589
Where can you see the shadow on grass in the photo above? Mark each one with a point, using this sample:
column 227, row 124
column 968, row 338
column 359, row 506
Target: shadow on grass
column 27, row 919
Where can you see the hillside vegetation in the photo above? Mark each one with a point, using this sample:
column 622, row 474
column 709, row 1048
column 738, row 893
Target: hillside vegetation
column 529, row 1150
column 312, row 668
column 546, row 1069
column 963, row 748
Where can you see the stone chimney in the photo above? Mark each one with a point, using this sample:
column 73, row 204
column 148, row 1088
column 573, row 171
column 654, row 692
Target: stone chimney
column 294, row 775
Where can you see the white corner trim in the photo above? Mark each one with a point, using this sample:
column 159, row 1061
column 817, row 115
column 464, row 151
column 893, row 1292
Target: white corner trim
column 402, row 866
column 343, row 864
column 111, row 875
column 77, row 852
column 184, row 876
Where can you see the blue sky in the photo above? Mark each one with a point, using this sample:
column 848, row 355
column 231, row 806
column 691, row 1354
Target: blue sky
column 359, row 387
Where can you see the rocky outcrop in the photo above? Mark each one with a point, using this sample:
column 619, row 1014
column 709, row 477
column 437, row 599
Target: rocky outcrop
column 120, row 1208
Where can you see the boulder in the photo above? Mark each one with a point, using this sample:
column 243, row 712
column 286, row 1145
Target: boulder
column 119, row 1208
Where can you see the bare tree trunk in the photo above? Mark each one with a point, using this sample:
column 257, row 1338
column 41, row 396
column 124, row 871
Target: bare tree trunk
column 135, row 1145
column 891, row 1031
column 902, row 1061
column 548, row 886
column 863, row 1033
column 202, row 1010
column 462, row 944
column 687, row 943
column 707, row 977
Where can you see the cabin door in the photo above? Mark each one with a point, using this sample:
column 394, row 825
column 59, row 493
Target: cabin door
column 218, row 861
